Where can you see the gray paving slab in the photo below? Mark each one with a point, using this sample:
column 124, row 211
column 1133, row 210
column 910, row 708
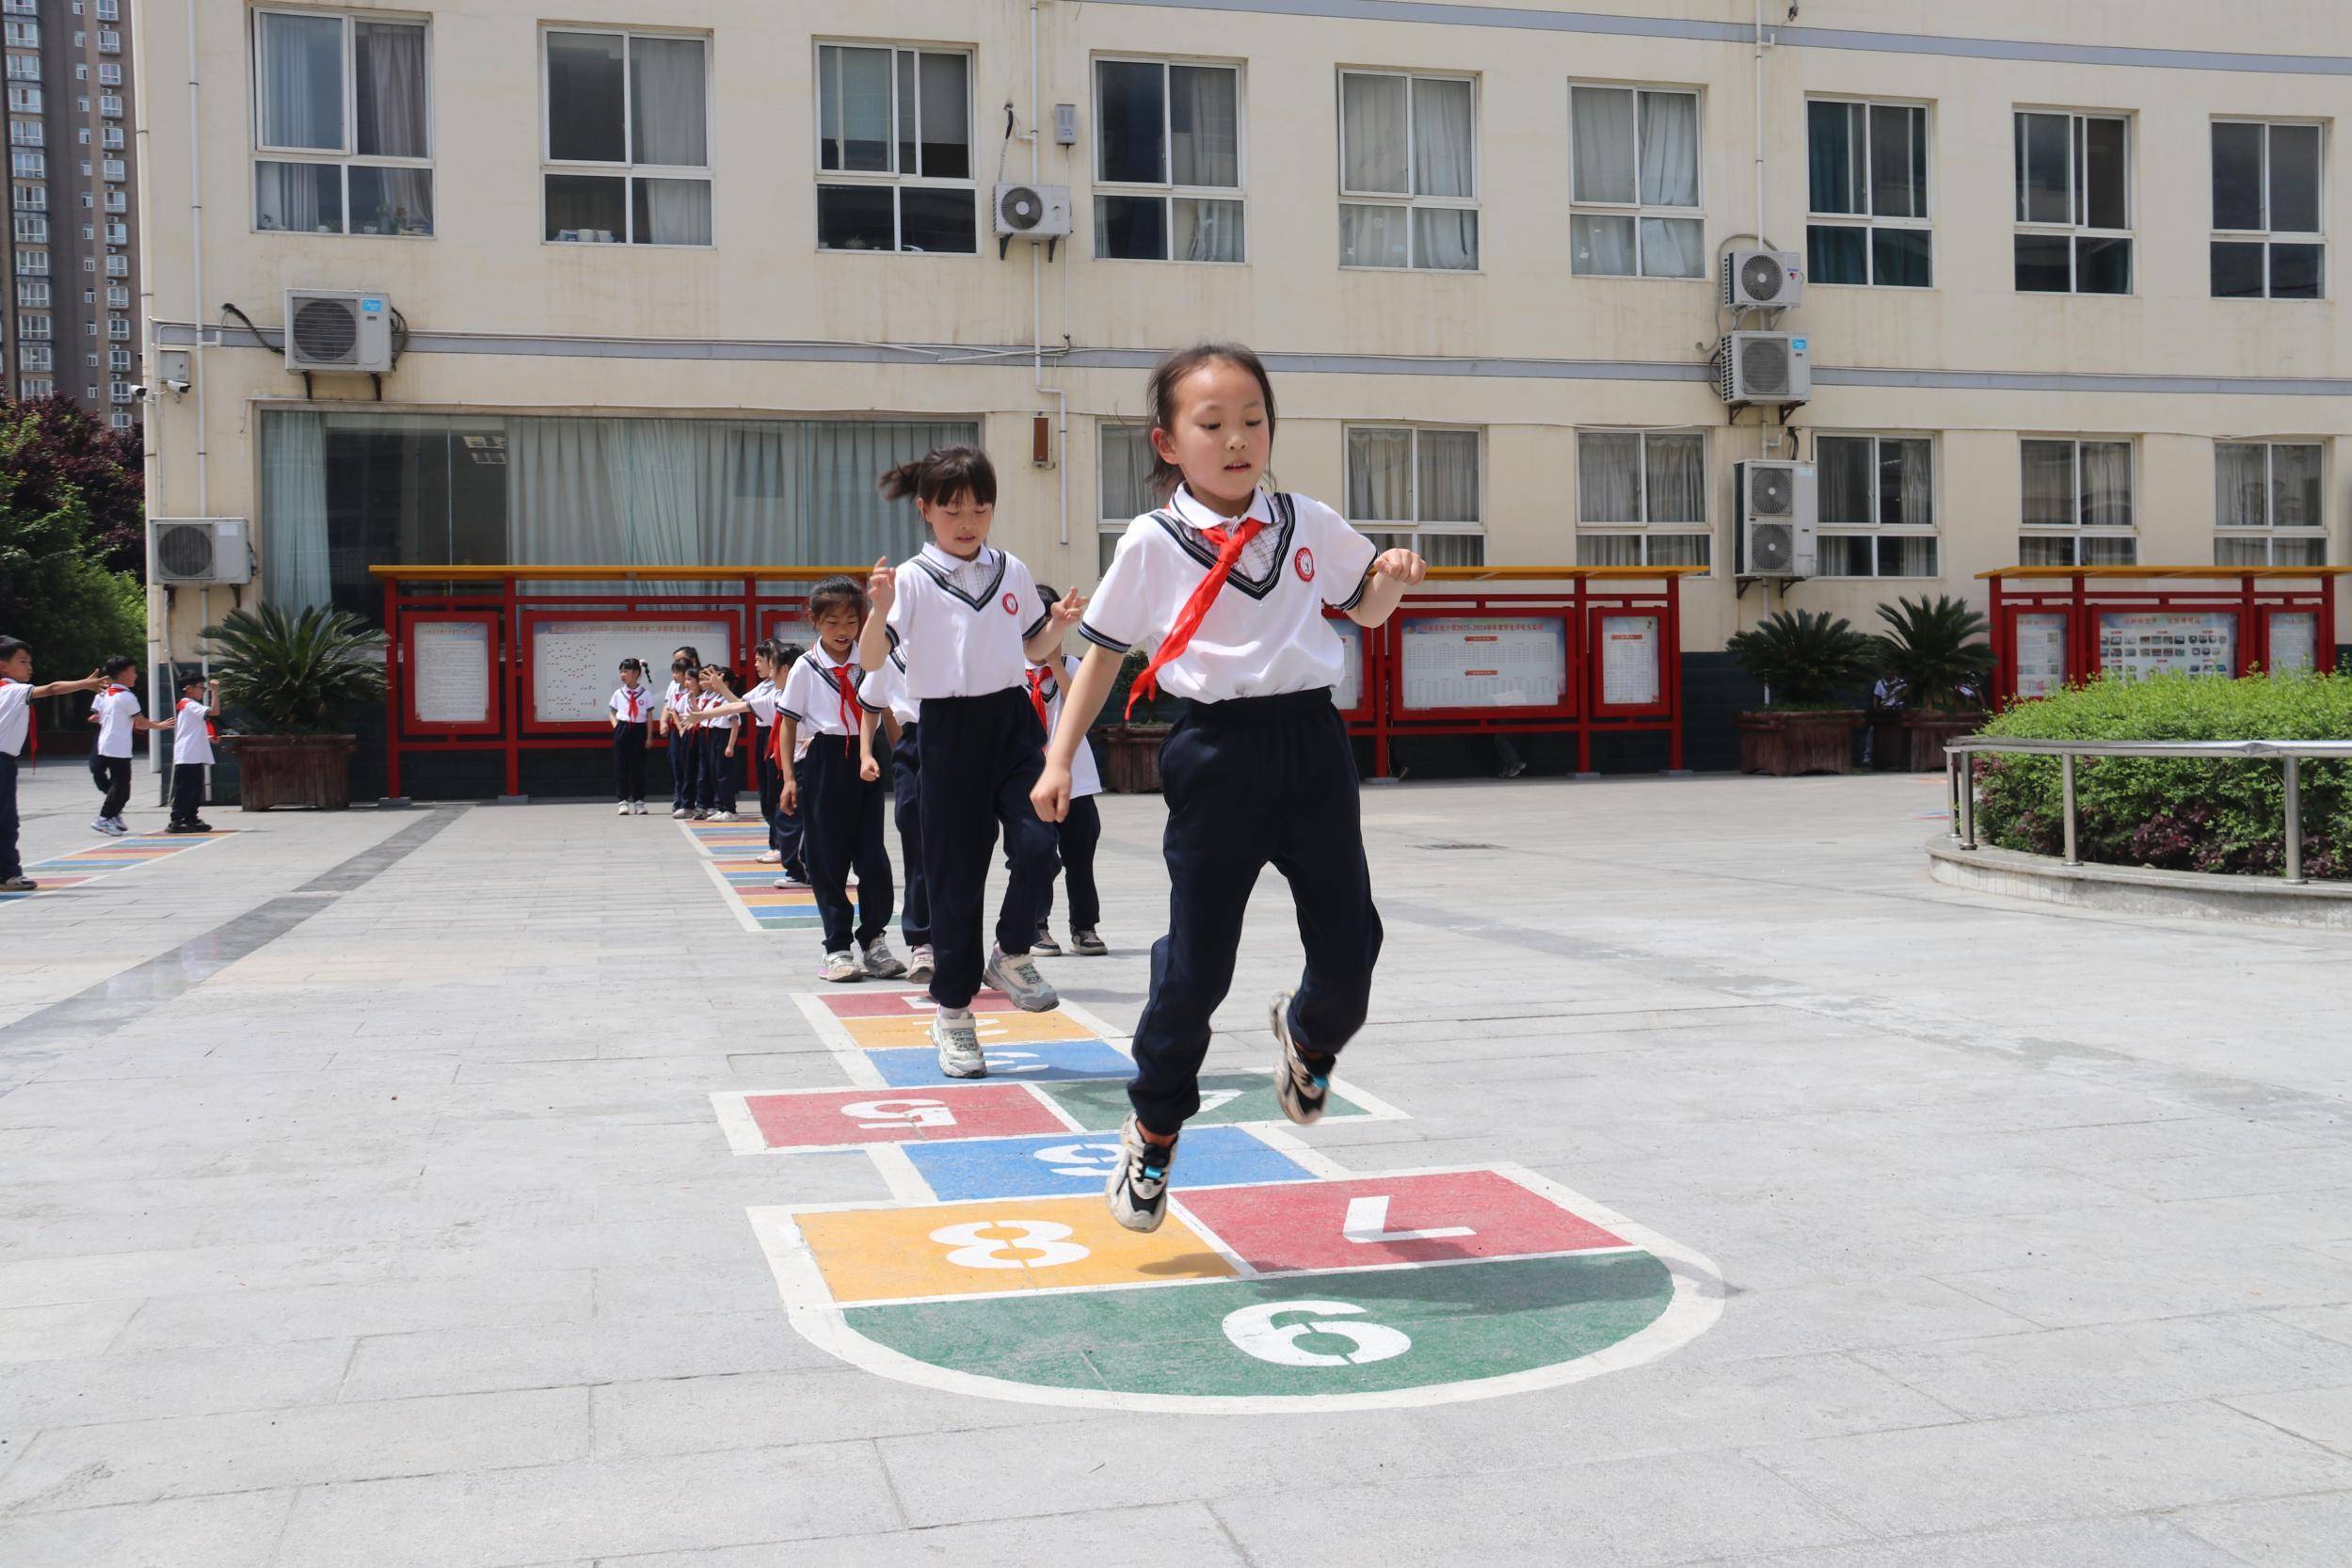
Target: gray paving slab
column 2290, row 1533
column 2130, row 1542
column 237, row 1530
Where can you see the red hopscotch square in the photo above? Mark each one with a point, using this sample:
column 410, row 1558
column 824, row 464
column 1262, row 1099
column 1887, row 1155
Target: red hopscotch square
column 908, row 1004
column 1303, row 1224
column 898, row 1116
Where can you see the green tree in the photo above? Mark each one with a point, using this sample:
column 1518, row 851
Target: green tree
column 72, row 449
column 56, row 591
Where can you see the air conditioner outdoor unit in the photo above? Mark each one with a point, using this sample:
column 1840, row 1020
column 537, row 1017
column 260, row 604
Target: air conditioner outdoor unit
column 1763, row 367
column 202, row 550
column 339, row 330
column 1778, row 507
column 1033, row 212
column 1763, row 280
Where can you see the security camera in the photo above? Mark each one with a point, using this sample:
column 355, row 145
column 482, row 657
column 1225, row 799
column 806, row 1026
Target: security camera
column 138, row 390
column 175, row 388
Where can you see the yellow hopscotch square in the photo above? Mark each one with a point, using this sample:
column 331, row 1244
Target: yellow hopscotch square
column 989, row 1248
column 758, row 897
column 996, row 1028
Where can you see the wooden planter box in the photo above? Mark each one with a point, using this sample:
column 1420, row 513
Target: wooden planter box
column 1925, row 733
column 1130, row 757
column 1786, row 745
column 294, row 770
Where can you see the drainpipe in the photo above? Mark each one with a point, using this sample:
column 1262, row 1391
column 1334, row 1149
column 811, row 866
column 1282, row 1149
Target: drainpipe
column 1037, row 300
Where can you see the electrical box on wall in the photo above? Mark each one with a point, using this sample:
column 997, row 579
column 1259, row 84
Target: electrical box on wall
column 1065, row 124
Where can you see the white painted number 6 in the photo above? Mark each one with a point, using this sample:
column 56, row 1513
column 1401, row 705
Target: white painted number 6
column 1253, row 1331
column 1032, row 1244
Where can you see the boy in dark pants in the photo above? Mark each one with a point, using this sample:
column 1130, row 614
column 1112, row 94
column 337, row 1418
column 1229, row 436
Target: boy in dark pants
column 116, row 712
column 191, row 727
column 18, row 738
column 841, row 791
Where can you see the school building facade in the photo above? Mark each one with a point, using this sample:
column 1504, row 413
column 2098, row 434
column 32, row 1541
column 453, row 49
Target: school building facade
column 674, row 279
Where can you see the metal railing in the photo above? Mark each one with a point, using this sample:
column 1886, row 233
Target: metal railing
column 1960, row 771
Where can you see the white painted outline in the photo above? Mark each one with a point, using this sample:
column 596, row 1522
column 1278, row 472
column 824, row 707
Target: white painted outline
column 84, row 873
column 1696, row 1303
column 743, row 1132
column 930, row 1196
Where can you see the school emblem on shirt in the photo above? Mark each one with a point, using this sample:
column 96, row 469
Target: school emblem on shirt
column 1304, row 562
column 1012, row 604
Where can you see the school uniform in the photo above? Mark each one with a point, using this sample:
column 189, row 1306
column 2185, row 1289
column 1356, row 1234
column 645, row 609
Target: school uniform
column 714, row 775
column 631, row 708
column 960, row 625
column 1257, row 771
column 110, row 759
column 884, row 691
column 841, row 812
column 1081, row 828
column 16, row 736
column 686, row 745
column 764, row 766
column 191, row 754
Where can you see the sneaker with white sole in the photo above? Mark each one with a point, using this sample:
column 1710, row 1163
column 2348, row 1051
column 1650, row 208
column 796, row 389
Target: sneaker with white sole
column 841, row 968
column 636, row 808
column 120, row 828
column 1015, row 975
column 18, row 884
column 881, row 962
column 1298, row 1088
column 1137, row 1189
column 1088, row 943
column 101, row 826
column 771, row 858
column 622, row 810
column 958, row 1039
column 680, row 813
column 919, row 965
column 1044, row 942
column 722, row 816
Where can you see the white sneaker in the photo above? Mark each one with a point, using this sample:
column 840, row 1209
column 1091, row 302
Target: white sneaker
column 722, row 816
column 102, row 827
column 842, row 967
column 1017, row 977
column 881, row 962
column 957, row 1038
column 622, row 810
column 1138, row 1189
column 680, row 813
column 121, row 829
column 636, row 808
column 771, row 857
column 920, row 966
column 1299, row 1089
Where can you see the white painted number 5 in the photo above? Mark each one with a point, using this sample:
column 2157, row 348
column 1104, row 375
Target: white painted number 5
column 1254, row 1330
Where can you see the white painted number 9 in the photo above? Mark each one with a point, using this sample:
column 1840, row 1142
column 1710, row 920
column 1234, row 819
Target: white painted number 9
column 1009, row 1244
column 1253, row 1331
column 873, row 1115
column 1080, row 1160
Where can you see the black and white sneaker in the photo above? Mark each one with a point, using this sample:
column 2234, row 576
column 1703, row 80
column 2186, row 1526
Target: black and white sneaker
column 1016, row 976
column 1045, row 943
column 1298, row 1088
column 1088, row 943
column 1137, row 1191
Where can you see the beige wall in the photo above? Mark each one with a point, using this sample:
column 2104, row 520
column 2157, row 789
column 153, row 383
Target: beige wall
column 764, row 283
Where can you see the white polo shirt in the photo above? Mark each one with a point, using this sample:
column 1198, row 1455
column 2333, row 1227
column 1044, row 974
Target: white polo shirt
column 704, row 700
column 679, row 699
column 632, row 704
column 191, row 733
column 116, row 707
column 1266, row 633
column 885, row 690
column 16, row 716
column 961, row 623
column 1085, row 779
column 812, row 696
column 764, row 699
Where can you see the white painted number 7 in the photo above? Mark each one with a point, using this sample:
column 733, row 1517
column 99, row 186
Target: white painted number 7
column 1253, row 1331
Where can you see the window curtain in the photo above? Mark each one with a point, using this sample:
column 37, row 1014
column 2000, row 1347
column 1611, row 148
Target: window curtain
column 673, row 212
column 1602, row 244
column 1845, row 480
column 1207, row 230
column 298, row 197
column 2239, row 481
column 1372, row 237
column 1907, row 485
column 947, row 116
column 302, row 81
column 1380, row 475
column 2107, row 485
column 294, row 560
column 2295, row 486
column 1204, row 146
column 1601, row 123
column 2049, row 484
column 1372, row 128
column 853, row 105
column 1674, row 478
column 1125, row 484
column 1609, row 478
column 1670, row 150
column 1674, row 247
column 1449, row 476
column 1832, row 166
column 668, row 118
column 1443, row 140
column 1445, row 238
column 842, row 518
column 389, row 89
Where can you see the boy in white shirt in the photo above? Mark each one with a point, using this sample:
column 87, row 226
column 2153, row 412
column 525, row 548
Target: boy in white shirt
column 1082, row 830
column 19, row 737
column 116, row 712
column 191, row 727
column 838, row 790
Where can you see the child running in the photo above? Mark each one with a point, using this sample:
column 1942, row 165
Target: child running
column 1230, row 581
column 676, row 726
column 1082, row 830
column 882, row 695
column 116, row 712
column 20, row 738
column 630, row 713
column 191, row 727
column 968, row 619
column 834, row 780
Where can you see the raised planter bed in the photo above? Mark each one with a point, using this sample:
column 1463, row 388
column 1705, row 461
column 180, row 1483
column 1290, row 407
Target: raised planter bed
column 1786, row 744
column 312, row 771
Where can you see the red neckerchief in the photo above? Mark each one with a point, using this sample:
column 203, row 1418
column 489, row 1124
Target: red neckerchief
column 32, row 720
column 1037, row 700
column 630, row 692
column 1229, row 543
column 847, row 684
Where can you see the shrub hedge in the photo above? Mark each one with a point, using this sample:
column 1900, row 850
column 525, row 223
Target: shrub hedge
column 2178, row 815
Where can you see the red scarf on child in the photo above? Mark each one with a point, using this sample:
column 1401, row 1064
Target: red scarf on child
column 1229, row 543
column 1037, row 700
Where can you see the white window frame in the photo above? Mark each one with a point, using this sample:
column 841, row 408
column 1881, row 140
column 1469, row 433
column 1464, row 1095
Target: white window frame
column 2266, row 237
column 118, row 361
column 629, row 172
column 1879, row 528
column 2269, row 534
column 1167, row 191
column 2078, row 230
column 24, row 34
column 894, row 179
column 24, row 97
column 1637, row 209
column 1644, row 529
column 27, row 133
column 109, row 74
column 1108, row 529
column 347, row 157
column 1411, row 203
column 1412, row 532
column 39, row 328
column 1866, row 221
column 2077, row 532
column 36, row 356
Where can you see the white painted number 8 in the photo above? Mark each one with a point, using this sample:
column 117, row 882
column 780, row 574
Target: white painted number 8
column 1032, row 1244
column 1253, row 1331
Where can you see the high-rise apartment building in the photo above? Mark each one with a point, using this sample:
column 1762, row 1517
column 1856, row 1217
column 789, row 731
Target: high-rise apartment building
column 72, row 291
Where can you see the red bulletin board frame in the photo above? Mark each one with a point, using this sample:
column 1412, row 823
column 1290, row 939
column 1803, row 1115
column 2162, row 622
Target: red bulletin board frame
column 1367, row 672
column 1565, row 708
column 529, row 618
column 2321, row 654
column 1596, row 668
column 2084, row 593
column 494, row 720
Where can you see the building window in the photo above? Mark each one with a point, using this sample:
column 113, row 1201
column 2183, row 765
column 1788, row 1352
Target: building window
column 628, row 139
column 39, row 387
column 1167, row 161
column 117, row 296
column 1642, row 498
column 1634, row 184
column 1418, row 488
column 33, row 263
column 1408, row 171
column 23, row 99
column 32, row 293
column 35, row 356
column 2073, row 202
column 109, row 11
column 32, row 199
column 27, row 133
column 117, row 328
column 1868, row 177
column 2077, row 507
column 109, row 74
column 110, row 42
column 118, row 359
column 109, row 105
column 33, row 326
column 1124, row 483
column 2270, row 505
column 112, row 139
column 117, row 267
column 344, row 125
column 121, row 421
column 2267, row 217
column 23, row 68
column 29, row 166
column 23, row 35
column 1877, row 506
column 32, row 229
column 112, row 168
column 117, row 233
column 894, row 149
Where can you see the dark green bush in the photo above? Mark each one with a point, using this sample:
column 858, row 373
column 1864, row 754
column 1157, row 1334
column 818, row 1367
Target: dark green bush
column 2178, row 815
column 1803, row 658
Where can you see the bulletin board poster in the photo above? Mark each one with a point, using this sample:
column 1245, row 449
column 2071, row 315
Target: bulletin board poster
column 575, row 660
column 2041, row 653
column 1348, row 696
column 1456, row 664
column 2293, row 641
column 452, row 672
column 2138, row 642
column 1629, row 652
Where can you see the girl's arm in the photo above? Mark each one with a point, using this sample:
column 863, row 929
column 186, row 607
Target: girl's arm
column 1081, row 699
column 890, row 727
column 1392, row 572
column 789, row 799
column 1046, row 647
column 873, row 638
column 868, row 769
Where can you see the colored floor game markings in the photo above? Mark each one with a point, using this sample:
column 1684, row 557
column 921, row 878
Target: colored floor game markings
column 802, row 1120
column 731, row 854
column 1075, row 1165
column 81, row 867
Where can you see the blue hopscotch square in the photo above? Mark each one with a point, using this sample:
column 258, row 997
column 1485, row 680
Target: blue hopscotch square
column 1059, row 1164
column 787, row 920
column 1027, row 1062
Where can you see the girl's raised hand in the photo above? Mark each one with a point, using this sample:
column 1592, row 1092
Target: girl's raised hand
column 1402, row 565
column 1066, row 613
column 882, row 586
